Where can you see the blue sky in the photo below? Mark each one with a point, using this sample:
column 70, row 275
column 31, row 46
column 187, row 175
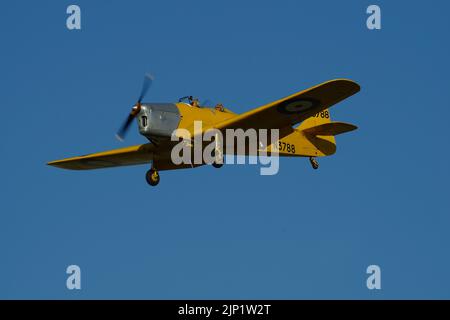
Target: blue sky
column 229, row 233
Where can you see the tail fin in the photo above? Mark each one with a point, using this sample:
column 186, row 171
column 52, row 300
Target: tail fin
column 321, row 118
column 316, row 120
column 325, row 144
column 320, row 131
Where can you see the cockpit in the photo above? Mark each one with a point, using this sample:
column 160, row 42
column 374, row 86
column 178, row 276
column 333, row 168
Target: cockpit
column 194, row 102
column 190, row 100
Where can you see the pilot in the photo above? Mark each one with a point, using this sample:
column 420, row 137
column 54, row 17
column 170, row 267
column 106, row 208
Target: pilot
column 195, row 103
column 219, row 107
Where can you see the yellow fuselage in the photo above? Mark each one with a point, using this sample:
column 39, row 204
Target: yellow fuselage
column 292, row 142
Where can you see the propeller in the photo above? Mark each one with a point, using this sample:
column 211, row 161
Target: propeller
column 148, row 80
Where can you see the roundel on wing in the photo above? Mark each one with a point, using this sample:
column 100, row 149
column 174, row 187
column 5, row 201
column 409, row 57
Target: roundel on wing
column 297, row 106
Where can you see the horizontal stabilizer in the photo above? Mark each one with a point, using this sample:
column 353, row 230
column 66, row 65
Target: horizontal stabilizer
column 330, row 129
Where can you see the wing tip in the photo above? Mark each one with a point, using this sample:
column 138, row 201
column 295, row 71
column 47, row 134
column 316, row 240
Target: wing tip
column 52, row 163
column 348, row 82
column 64, row 164
column 56, row 164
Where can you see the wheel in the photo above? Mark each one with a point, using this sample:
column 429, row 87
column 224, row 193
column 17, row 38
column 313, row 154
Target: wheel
column 152, row 177
column 217, row 165
column 314, row 163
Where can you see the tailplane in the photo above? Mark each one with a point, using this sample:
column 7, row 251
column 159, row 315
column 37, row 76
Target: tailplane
column 321, row 125
column 320, row 131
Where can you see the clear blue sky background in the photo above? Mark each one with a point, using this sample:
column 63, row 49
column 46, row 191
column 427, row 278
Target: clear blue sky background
column 230, row 233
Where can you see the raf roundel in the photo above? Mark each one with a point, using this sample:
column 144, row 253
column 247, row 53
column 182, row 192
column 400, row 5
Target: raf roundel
column 297, row 106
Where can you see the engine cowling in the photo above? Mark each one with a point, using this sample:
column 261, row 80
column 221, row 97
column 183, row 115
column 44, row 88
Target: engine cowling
column 158, row 120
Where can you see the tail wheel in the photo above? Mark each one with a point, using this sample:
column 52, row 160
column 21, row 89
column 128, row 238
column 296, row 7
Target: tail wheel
column 152, row 177
column 314, row 163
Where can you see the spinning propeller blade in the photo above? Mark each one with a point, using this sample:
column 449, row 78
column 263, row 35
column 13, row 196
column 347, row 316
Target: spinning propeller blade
column 148, row 80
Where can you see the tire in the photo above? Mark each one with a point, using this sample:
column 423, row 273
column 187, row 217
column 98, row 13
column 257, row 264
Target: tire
column 151, row 180
column 217, row 165
column 314, row 163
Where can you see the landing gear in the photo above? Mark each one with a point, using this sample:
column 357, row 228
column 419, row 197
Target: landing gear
column 218, row 154
column 314, row 163
column 152, row 177
column 217, row 165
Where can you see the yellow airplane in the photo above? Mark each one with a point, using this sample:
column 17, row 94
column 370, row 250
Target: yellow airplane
column 314, row 137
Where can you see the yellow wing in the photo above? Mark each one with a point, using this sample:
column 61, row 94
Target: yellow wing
column 293, row 109
column 128, row 156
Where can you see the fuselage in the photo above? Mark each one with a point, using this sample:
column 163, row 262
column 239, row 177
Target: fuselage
column 158, row 121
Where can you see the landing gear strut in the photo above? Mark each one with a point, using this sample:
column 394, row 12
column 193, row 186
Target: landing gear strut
column 152, row 177
column 314, row 163
column 218, row 154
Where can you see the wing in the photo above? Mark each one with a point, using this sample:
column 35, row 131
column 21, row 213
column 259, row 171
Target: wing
column 295, row 108
column 128, row 156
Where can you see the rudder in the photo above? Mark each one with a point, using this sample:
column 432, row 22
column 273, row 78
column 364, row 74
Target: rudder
column 326, row 144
